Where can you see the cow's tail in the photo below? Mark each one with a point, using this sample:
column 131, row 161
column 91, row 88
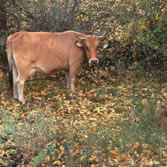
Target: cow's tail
column 10, row 60
column 11, row 79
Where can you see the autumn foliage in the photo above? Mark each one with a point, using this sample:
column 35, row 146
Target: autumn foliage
column 111, row 121
column 116, row 117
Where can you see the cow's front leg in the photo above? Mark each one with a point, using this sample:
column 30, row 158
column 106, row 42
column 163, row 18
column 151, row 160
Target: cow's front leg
column 73, row 84
column 72, row 76
column 67, row 77
column 72, row 73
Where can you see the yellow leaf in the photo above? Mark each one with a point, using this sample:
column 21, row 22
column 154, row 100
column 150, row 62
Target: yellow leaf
column 56, row 163
column 61, row 148
column 144, row 101
column 17, row 105
column 70, row 1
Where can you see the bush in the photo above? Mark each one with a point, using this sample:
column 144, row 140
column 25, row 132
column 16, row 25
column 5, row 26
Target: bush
column 136, row 29
column 42, row 140
column 152, row 37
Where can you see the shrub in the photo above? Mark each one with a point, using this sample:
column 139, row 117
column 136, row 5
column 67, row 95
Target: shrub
column 152, row 37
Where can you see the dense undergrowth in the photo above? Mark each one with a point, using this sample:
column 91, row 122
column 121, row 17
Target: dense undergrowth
column 110, row 121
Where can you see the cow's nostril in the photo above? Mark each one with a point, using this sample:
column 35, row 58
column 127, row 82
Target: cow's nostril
column 93, row 61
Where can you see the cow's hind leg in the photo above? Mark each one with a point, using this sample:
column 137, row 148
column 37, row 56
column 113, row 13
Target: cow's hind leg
column 20, row 87
column 15, row 74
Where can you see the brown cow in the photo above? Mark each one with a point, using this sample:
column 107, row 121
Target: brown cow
column 46, row 53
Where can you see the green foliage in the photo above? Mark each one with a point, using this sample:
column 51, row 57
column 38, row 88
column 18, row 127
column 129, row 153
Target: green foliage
column 37, row 159
column 152, row 37
column 139, row 39
column 142, row 126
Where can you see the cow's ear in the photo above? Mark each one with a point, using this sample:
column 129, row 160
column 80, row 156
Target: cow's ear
column 80, row 43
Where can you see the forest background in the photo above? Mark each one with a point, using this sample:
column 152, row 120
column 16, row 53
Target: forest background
column 136, row 29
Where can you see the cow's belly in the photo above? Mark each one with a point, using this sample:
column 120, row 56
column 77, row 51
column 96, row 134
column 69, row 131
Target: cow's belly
column 44, row 71
column 48, row 67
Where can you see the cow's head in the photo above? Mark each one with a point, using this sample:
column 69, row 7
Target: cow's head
column 89, row 43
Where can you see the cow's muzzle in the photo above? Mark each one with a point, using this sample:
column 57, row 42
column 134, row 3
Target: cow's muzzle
column 94, row 61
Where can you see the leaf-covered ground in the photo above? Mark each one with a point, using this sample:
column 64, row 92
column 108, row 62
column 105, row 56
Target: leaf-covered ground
column 110, row 121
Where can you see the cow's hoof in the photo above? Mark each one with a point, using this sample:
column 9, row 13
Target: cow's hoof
column 21, row 101
column 15, row 97
column 73, row 92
